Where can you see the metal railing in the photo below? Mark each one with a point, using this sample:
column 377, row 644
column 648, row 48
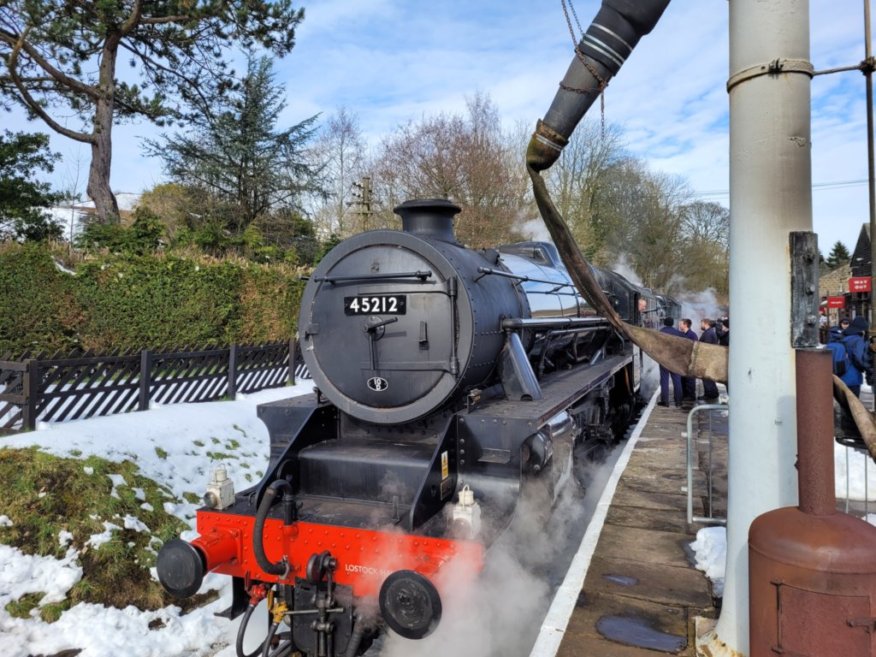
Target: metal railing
column 710, row 465
column 856, row 473
column 857, row 496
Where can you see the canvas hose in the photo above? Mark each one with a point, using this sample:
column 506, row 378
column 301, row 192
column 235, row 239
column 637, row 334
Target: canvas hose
column 677, row 354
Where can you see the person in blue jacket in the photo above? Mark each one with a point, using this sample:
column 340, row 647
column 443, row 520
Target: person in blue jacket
column 666, row 374
column 838, row 350
column 688, row 383
column 859, row 361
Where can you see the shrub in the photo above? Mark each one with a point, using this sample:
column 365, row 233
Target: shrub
column 142, row 301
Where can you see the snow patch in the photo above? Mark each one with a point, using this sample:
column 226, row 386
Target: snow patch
column 710, row 549
column 21, row 574
column 96, row 540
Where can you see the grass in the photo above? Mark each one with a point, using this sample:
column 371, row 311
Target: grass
column 44, row 494
column 220, row 456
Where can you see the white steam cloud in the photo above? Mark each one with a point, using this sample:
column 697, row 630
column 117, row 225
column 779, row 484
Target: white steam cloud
column 499, row 612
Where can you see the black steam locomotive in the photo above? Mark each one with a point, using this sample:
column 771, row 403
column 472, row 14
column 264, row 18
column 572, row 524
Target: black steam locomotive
column 449, row 383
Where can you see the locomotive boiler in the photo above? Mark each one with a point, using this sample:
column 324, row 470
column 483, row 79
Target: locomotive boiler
column 449, row 384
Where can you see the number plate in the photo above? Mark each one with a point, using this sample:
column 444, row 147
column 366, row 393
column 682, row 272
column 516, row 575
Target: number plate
column 376, row 304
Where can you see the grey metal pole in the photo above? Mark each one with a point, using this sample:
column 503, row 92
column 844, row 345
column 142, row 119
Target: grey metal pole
column 871, row 169
column 770, row 196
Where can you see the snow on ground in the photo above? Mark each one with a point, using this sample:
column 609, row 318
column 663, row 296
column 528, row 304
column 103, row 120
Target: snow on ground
column 710, row 550
column 178, row 446
column 853, row 469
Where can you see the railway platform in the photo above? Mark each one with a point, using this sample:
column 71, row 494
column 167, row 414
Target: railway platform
column 633, row 589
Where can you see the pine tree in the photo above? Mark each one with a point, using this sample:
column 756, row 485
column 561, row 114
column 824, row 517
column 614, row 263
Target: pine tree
column 839, row 255
column 62, row 56
column 236, row 155
column 23, row 198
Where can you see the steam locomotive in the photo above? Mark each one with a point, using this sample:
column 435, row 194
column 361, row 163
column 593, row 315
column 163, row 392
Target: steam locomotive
column 450, row 384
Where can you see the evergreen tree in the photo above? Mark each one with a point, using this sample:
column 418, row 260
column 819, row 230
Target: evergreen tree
column 61, row 56
column 236, row 155
column 838, row 255
column 22, row 198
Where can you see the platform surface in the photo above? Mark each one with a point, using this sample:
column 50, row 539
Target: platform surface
column 642, row 591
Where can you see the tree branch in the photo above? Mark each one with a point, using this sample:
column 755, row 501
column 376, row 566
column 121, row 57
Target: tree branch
column 20, row 43
column 159, row 20
column 134, row 19
column 34, row 106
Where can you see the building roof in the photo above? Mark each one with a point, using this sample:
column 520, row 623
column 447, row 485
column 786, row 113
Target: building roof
column 835, row 282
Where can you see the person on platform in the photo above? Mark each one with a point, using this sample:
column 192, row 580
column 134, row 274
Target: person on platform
column 837, row 350
column 860, row 362
column 665, row 374
column 724, row 332
column 709, row 336
column 688, row 383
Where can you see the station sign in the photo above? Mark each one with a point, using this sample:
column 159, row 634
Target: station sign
column 860, row 284
column 836, row 302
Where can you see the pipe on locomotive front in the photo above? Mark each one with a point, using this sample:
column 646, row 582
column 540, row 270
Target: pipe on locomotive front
column 611, row 37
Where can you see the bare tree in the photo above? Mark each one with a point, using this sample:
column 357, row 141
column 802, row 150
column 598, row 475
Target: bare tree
column 341, row 151
column 466, row 159
column 707, row 221
column 578, row 176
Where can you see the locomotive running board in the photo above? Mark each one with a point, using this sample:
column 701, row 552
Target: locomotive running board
column 494, row 424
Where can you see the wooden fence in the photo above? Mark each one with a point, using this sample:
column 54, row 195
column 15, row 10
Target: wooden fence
column 75, row 387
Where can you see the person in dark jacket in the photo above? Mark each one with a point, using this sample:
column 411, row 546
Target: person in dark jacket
column 860, row 363
column 837, row 350
column 709, row 336
column 666, row 374
column 688, row 383
column 724, row 333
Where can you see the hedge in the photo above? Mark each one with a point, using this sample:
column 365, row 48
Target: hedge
column 136, row 302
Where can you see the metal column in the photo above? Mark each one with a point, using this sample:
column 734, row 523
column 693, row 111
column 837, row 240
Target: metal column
column 770, row 196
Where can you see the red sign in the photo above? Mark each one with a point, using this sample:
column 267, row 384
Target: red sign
column 860, row 284
column 836, row 302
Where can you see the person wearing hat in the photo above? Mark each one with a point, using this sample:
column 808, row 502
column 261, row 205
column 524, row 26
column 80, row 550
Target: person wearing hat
column 860, row 362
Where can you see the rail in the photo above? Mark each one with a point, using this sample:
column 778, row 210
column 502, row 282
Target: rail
column 857, row 482
column 691, row 518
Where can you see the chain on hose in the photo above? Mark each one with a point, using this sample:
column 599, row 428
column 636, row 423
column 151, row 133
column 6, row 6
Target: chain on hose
column 603, row 83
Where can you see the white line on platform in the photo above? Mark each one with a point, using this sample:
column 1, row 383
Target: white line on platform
column 553, row 628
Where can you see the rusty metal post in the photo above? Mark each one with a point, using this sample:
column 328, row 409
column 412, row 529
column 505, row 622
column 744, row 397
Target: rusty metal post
column 812, row 573
column 815, row 476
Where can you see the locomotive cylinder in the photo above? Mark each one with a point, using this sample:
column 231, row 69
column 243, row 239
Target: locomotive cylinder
column 812, row 573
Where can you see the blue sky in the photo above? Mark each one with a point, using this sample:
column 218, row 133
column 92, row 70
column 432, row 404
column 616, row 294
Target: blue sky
column 388, row 61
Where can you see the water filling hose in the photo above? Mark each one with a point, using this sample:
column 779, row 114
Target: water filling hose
column 281, row 567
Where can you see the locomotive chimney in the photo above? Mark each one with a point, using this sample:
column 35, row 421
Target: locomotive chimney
column 432, row 217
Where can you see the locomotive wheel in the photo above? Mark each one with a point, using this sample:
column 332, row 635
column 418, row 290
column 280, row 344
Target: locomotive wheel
column 410, row 604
